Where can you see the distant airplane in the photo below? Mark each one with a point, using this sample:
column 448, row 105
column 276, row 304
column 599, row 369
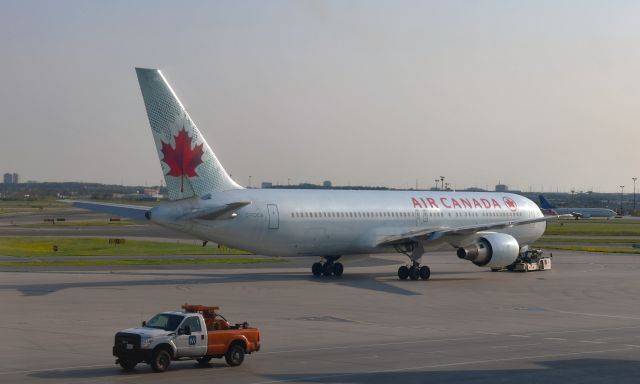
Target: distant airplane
column 583, row 213
column 488, row 229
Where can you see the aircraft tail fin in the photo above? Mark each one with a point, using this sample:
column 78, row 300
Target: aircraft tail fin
column 189, row 165
column 545, row 203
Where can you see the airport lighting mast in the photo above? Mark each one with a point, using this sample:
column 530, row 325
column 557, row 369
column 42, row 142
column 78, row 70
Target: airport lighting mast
column 634, row 194
column 621, row 195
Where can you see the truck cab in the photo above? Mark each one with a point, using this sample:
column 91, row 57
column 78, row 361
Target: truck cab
column 197, row 332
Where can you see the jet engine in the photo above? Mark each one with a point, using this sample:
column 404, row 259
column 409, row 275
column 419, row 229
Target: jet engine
column 494, row 250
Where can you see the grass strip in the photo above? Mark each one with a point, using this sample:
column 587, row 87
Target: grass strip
column 24, row 246
column 593, row 229
column 90, row 223
column 152, row 262
column 587, row 249
column 589, row 240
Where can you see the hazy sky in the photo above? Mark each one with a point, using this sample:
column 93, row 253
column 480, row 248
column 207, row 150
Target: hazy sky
column 536, row 94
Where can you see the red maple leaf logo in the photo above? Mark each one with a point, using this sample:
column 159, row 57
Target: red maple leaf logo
column 182, row 160
column 510, row 203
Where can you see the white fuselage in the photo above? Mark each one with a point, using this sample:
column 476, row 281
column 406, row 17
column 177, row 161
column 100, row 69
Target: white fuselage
column 341, row 222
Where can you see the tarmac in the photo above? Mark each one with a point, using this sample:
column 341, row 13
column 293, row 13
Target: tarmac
column 578, row 323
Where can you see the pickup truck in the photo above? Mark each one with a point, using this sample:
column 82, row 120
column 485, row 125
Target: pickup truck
column 197, row 332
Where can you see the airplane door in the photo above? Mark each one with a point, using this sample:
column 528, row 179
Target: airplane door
column 274, row 218
column 422, row 217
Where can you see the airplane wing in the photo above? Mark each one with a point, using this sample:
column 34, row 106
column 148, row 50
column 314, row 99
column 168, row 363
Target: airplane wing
column 135, row 212
column 432, row 234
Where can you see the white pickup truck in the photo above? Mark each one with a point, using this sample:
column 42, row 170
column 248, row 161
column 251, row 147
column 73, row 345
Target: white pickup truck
column 198, row 333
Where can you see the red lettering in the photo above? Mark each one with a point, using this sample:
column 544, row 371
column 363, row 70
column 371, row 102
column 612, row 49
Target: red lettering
column 424, row 202
column 476, row 203
column 443, row 200
column 495, row 203
column 466, row 203
column 455, row 203
column 416, row 203
column 432, row 202
column 486, row 203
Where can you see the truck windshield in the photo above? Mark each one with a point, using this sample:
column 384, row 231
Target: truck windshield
column 166, row 321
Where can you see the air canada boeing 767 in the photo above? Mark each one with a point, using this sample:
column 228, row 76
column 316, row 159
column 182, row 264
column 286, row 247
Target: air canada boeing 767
column 488, row 229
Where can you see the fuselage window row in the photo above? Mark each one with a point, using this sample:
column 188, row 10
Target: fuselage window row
column 299, row 215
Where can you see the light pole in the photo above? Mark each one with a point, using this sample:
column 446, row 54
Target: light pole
column 442, row 182
column 621, row 195
column 437, row 184
column 634, row 194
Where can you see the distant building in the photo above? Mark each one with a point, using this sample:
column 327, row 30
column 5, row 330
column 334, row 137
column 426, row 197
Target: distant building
column 267, row 184
column 15, row 178
column 501, row 188
column 327, row 184
column 8, row 178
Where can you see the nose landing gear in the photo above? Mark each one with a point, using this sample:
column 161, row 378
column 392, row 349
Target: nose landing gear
column 328, row 268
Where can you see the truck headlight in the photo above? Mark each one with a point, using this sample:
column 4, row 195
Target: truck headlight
column 146, row 343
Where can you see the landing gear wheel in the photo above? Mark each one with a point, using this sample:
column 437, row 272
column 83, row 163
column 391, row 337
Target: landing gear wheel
column 414, row 273
column 204, row 360
column 425, row 272
column 327, row 269
column 160, row 360
column 316, row 269
column 403, row 272
column 127, row 365
column 235, row 355
column 338, row 269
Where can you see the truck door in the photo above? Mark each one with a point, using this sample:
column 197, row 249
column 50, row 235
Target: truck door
column 274, row 218
column 195, row 344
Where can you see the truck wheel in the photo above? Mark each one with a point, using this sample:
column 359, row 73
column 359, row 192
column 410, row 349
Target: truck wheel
column 235, row 355
column 204, row 360
column 127, row 365
column 160, row 360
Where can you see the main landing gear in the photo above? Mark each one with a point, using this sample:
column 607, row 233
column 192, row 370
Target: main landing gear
column 328, row 268
column 414, row 271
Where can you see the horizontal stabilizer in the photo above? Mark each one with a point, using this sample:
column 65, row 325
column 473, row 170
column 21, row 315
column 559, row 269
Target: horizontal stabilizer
column 219, row 213
column 135, row 212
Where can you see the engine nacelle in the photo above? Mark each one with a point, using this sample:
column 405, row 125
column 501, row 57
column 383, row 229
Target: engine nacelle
column 494, row 250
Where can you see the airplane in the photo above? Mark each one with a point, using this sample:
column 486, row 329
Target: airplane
column 487, row 228
column 577, row 213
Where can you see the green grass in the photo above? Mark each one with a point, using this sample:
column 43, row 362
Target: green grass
column 584, row 228
column 84, row 263
column 588, row 248
column 43, row 246
column 589, row 240
column 7, row 207
column 88, row 223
